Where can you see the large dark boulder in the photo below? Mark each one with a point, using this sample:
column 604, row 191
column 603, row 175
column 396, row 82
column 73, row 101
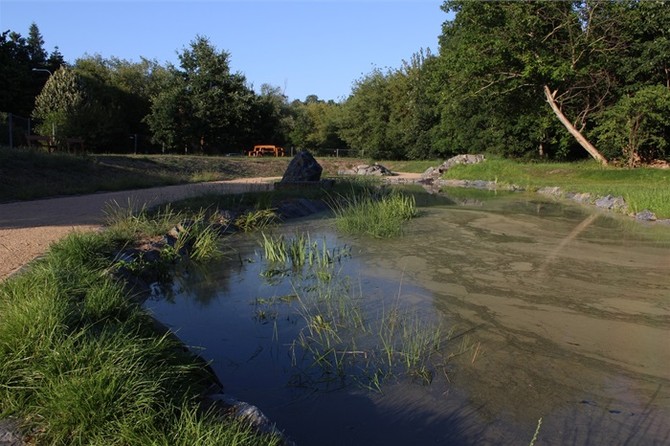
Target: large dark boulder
column 303, row 167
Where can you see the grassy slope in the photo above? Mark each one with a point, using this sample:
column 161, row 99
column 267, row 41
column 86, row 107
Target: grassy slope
column 642, row 188
column 26, row 175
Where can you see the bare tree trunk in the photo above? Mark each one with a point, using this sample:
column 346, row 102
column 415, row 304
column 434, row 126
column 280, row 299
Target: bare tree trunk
column 571, row 128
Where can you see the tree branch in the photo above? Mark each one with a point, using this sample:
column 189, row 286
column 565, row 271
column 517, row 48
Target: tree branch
column 571, row 128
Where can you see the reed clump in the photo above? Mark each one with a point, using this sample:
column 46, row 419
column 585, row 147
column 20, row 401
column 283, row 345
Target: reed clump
column 343, row 337
column 375, row 212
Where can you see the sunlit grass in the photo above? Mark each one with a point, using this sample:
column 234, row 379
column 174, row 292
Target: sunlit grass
column 642, row 188
column 376, row 212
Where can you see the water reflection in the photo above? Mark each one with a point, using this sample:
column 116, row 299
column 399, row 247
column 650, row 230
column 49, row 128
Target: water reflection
column 555, row 313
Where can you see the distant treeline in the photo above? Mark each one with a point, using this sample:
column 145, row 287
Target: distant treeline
column 531, row 79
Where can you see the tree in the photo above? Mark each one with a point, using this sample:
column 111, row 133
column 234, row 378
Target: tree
column 505, row 59
column 315, row 125
column 19, row 85
column 365, row 117
column 202, row 106
column 637, row 128
column 390, row 114
column 271, row 118
column 61, row 106
column 35, row 43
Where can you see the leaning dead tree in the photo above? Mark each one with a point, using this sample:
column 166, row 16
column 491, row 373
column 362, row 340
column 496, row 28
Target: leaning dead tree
column 551, row 99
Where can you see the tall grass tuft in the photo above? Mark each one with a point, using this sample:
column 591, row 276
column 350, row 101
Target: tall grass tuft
column 376, row 212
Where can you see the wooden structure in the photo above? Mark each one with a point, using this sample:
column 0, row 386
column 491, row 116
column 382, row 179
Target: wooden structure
column 263, row 150
column 72, row 144
column 41, row 141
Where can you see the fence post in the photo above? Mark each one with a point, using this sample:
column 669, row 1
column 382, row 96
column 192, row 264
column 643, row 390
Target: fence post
column 11, row 132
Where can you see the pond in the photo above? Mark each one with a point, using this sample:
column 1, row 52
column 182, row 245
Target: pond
column 520, row 310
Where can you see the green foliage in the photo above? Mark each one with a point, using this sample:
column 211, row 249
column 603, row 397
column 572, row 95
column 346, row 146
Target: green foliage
column 389, row 115
column 202, row 107
column 80, row 363
column 637, row 127
column 316, row 125
column 62, row 105
column 19, row 85
column 255, row 219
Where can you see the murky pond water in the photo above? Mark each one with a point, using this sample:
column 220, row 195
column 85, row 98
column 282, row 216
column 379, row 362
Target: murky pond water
column 542, row 310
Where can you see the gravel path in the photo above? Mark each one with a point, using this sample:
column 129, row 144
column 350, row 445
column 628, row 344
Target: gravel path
column 28, row 228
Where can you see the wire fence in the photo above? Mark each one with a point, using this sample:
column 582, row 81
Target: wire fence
column 14, row 129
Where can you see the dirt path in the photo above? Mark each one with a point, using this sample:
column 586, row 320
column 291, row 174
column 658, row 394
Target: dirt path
column 27, row 229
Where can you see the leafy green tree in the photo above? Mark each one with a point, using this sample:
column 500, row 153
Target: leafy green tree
column 202, row 106
column 366, row 115
column 637, row 128
column 271, row 116
column 500, row 57
column 61, row 106
column 316, row 125
column 119, row 94
column 390, row 115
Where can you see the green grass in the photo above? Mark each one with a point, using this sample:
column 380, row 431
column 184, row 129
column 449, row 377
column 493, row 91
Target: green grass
column 377, row 212
column 642, row 188
column 81, row 364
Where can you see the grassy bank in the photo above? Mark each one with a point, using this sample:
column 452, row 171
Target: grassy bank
column 31, row 174
column 642, row 188
column 81, row 363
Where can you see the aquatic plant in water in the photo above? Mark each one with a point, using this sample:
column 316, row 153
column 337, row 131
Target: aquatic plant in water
column 378, row 213
column 343, row 337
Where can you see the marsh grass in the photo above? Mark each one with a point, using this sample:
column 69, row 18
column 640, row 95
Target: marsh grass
column 130, row 220
column 376, row 212
column 256, row 220
column 343, row 338
column 81, row 364
column 198, row 236
column 642, row 188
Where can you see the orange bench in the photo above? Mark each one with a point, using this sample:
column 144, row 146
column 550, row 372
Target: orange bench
column 263, row 150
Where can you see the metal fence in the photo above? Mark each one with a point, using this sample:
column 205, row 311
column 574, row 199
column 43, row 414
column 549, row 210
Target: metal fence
column 13, row 130
column 329, row 152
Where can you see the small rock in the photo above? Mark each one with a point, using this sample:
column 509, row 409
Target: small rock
column 551, row 191
column 9, row 433
column 645, row 215
column 610, row 202
column 582, row 198
column 435, row 172
column 367, row 169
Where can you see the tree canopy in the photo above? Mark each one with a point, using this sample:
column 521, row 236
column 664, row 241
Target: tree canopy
column 531, row 79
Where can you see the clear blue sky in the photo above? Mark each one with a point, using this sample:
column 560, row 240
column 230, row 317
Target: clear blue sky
column 305, row 47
